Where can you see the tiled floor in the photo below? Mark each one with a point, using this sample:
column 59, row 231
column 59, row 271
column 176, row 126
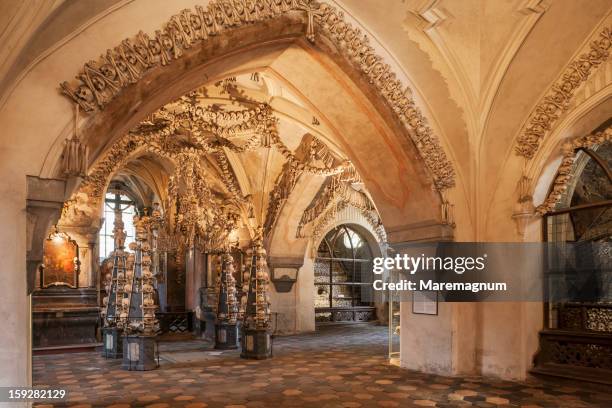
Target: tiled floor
column 341, row 366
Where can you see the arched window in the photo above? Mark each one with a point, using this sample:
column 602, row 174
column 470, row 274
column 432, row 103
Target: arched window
column 583, row 219
column 116, row 201
column 577, row 319
column 584, row 212
column 342, row 286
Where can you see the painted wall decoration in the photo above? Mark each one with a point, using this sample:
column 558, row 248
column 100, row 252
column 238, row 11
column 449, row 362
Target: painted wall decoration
column 60, row 261
column 100, row 81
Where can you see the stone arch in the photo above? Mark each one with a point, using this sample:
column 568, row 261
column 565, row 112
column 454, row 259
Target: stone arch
column 396, row 190
column 351, row 216
column 535, row 180
column 90, row 192
column 525, row 183
column 563, row 178
column 410, row 171
column 580, row 122
column 100, row 82
column 559, row 96
column 217, row 58
column 369, row 129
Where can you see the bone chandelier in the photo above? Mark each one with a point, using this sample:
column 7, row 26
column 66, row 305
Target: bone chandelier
column 99, row 82
column 185, row 132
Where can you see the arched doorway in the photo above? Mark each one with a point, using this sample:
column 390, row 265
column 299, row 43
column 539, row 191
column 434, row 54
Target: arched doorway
column 577, row 338
column 342, row 269
column 369, row 114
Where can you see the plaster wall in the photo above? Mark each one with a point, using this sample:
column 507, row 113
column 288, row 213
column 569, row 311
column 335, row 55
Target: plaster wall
column 507, row 331
column 425, row 340
column 14, row 306
column 293, row 311
column 507, row 338
column 306, row 290
column 36, row 119
column 445, row 343
column 296, row 308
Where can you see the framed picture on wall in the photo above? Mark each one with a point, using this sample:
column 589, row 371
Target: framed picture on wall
column 61, row 262
column 425, row 302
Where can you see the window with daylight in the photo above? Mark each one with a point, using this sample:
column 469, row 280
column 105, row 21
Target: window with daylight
column 577, row 270
column 341, row 283
column 112, row 202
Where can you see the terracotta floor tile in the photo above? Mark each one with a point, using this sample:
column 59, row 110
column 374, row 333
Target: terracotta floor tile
column 336, row 367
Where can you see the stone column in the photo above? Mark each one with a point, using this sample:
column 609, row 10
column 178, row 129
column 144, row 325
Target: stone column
column 45, row 199
column 94, row 281
column 283, row 294
column 444, row 343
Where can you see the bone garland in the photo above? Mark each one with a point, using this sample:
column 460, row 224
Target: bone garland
column 564, row 173
column 315, row 152
column 332, row 188
column 257, row 312
column 227, row 305
column 334, row 196
column 157, row 134
column 198, row 214
column 101, row 81
column 355, row 46
column 228, row 176
column 558, row 99
column 138, row 316
column 283, row 187
column 357, row 200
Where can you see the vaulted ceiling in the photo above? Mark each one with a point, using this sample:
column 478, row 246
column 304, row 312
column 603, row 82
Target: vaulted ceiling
column 251, row 158
column 450, row 49
column 478, row 68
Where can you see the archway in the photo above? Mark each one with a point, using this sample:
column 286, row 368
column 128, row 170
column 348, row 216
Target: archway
column 577, row 220
column 323, row 77
column 396, row 189
column 342, row 279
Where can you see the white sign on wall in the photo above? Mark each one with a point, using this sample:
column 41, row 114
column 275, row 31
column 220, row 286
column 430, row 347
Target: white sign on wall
column 425, row 302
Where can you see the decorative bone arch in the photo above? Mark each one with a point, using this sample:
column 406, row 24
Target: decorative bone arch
column 557, row 99
column 101, row 81
column 310, row 151
column 370, row 215
column 184, row 131
column 564, row 173
column 190, row 128
column 157, row 135
column 336, row 194
column 547, row 112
